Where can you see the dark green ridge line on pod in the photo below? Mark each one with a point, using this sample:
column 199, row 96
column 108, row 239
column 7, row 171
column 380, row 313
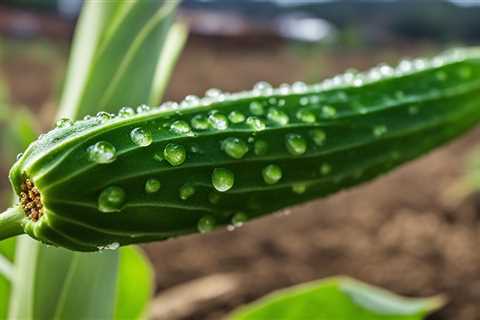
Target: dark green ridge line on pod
column 224, row 158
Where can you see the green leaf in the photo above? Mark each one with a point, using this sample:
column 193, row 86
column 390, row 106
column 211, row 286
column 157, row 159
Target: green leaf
column 120, row 68
column 174, row 43
column 7, row 253
column 55, row 282
column 338, row 298
column 134, row 284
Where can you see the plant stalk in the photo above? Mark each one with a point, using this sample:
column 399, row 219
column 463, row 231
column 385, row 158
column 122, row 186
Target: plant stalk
column 11, row 222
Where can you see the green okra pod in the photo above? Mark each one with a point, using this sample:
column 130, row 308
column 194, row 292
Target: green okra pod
column 156, row 173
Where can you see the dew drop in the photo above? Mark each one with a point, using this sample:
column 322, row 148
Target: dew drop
column 299, row 188
column 329, row 112
column 152, row 185
column 239, row 219
column 199, row 122
column 256, row 108
column 262, row 87
column 299, row 87
column 19, row 156
column 271, row 174
column 296, row 144
column 325, row 169
column 143, row 109
column 186, row 191
column 222, row 179
column 278, row 117
column 256, row 124
column 111, row 199
column 234, row 147
column 104, row 116
column 102, row 152
column 236, row 117
column 180, row 127
column 111, row 246
column 141, row 137
column 126, row 112
column 213, row 93
column 318, row 136
column 175, row 154
column 206, row 224
column 306, row 116
column 218, row 121
column 260, row 148
column 64, row 123
column 379, row 131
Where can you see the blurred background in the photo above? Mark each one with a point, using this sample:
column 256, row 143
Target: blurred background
column 415, row 231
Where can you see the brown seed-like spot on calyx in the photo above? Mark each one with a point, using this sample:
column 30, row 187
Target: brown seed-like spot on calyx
column 31, row 200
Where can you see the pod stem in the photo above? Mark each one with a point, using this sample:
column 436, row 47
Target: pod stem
column 11, row 222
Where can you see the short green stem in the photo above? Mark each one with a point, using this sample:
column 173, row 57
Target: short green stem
column 11, row 222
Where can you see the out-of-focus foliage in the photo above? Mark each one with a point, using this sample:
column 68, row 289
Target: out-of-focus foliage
column 338, row 298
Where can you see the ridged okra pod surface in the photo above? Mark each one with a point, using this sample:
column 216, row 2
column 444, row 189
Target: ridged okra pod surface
column 156, row 173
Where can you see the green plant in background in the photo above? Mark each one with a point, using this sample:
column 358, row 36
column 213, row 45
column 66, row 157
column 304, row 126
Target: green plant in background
column 46, row 282
column 152, row 173
column 337, row 298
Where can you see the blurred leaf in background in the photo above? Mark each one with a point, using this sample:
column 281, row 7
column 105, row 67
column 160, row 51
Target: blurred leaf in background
column 118, row 57
column 338, row 298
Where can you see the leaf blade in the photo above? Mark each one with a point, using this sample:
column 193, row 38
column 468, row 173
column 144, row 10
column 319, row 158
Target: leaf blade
column 332, row 299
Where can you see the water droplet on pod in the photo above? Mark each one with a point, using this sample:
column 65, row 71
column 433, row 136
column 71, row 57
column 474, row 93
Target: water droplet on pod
column 126, row 112
column 325, row 169
column 260, row 147
column 152, row 185
column 299, row 188
column 306, row 116
column 255, row 123
column 64, row 123
column 329, row 112
column 271, row 174
column 111, row 199
column 218, row 121
column 379, row 131
column 222, row 179
column 236, row 117
column 175, row 154
column 199, row 122
column 296, row 144
column 180, row 127
column 186, row 191
column 206, row 224
column 239, row 219
column 141, row 137
column 143, row 109
column 277, row 117
column 318, row 136
column 102, row 152
column 256, row 108
column 234, row 147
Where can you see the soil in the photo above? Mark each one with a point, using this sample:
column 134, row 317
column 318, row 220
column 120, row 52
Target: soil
column 402, row 232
